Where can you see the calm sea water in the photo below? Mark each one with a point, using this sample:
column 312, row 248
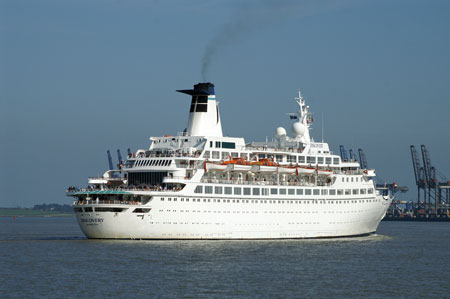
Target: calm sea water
column 49, row 257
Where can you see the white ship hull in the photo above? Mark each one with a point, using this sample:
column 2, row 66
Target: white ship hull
column 208, row 220
column 203, row 185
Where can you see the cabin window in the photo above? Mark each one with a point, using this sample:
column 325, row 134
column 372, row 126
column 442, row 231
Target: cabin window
column 116, row 210
column 308, row 192
column 324, row 192
column 218, row 144
column 230, row 145
column 328, row 161
column 246, row 191
column 299, row 191
column 332, row 191
column 301, row 159
column 207, row 154
column 256, row 191
column 335, row 161
column 216, row 155
column 316, row 192
column 234, row 155
column 138, row 210
column 225, row 155
column 237, row 191
column 282, row 191
column 320, row 160
column 370, row 191
column 198, row 189
column 311, row 160
column 265, row 191
column 291, row 191
column 362, row 191
column 146, row 178
column 274, row 191
column 244, row 156
column 355, row 191
column 88, row 209
column 347, row 191
column 208, row 189
column 261, row 156
column 340, row 192
column 218, row 190
column 279, row 158
column 292, row 159
column 228, row 190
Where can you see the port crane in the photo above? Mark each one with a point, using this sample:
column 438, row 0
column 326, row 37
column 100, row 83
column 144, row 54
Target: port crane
column 436, row 193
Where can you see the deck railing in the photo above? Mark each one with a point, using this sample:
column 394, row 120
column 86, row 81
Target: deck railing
column 107, row 202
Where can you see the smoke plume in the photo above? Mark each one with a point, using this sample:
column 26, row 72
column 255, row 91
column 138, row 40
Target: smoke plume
column 249, row 16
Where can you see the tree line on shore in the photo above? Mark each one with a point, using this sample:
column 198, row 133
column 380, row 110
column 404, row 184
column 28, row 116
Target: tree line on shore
column 53, row 207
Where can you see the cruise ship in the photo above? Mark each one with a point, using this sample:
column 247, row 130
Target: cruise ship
column 199, row 184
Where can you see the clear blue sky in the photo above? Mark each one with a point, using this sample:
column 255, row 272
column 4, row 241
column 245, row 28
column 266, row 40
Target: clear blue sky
column 78, row 77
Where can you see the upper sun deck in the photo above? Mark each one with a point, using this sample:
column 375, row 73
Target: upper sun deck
column 282, row 150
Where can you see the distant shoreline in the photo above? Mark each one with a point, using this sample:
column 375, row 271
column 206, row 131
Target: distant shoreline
column 24, row 212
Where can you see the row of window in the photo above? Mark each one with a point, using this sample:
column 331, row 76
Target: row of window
column 221, row 144
column 152, row 162
column 277, row 158
column 275, row 191
column 351, row 179
column 261, row 201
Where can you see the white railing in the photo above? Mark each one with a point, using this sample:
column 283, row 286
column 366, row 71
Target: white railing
column 152, row 188
column 107, row 202
column 264, row 183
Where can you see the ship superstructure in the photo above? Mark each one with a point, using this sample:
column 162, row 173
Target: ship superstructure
column 200, row 184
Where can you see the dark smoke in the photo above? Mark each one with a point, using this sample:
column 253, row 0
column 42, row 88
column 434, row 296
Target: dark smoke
column 248, row 16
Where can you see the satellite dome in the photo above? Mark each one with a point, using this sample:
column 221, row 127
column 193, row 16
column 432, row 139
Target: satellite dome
column 298, row 129
column 280, row 132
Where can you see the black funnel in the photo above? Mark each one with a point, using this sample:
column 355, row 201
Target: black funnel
column 200, row 89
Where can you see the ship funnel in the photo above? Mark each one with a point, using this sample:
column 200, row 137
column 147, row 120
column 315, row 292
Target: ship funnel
column 204, row 117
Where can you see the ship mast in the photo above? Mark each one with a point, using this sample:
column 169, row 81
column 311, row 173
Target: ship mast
column 304, row 119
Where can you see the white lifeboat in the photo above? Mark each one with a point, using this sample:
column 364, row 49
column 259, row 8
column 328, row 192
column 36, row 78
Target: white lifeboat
column 324, row 172
column 304, row 170
column 239, row 167
column 287, row 170
column 209, row 166
column 263, row 168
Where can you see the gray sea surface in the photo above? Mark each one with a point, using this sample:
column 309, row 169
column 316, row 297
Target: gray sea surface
column 51, row 258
